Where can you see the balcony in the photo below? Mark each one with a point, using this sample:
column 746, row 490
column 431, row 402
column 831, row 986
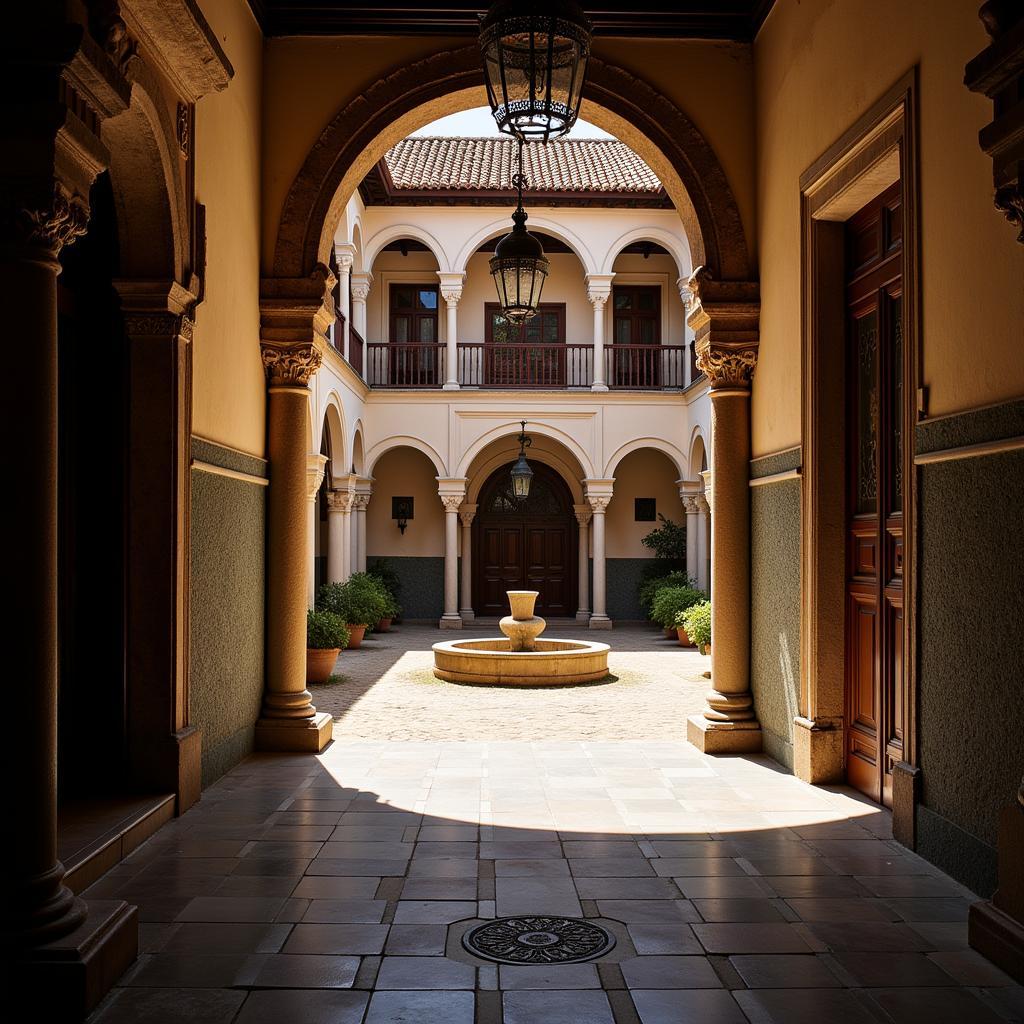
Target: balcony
column 522, row 366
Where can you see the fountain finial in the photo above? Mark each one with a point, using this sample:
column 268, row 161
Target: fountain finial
column 522, row 627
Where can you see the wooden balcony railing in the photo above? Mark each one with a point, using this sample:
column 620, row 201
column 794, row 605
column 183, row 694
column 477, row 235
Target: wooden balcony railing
column 521, row 366
column 355, row 350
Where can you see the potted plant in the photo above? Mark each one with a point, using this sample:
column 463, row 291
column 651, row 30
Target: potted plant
column 392, row 610
column 697, row 623
column 359, row 602
column 651, row 584
column 669, row 602
column 381, row 569
column 326, row 638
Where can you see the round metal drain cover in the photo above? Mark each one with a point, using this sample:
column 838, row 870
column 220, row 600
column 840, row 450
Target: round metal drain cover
column 538, row 940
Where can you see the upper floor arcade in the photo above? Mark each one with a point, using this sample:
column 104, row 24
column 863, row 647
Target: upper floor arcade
column 415, row 303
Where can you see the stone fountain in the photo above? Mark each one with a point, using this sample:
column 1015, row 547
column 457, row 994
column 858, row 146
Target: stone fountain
column 521, row 658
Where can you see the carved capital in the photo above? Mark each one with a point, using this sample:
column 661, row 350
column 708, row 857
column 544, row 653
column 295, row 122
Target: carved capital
column 316, row 466
column 703, row 504
column 451, row 502
column 583, row 514
column 46, row 229
column 691, row 504
column 466, row 514
column 726, row 366
column 361, row 502
column 340, row 501
column 724, row 317
column 451, row 296
column 599, row 503
column 290, row 365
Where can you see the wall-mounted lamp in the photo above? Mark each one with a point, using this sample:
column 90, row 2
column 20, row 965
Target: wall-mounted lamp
column 401, row 512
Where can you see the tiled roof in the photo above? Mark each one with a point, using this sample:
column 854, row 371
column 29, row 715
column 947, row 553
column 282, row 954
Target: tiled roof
column 568, row 165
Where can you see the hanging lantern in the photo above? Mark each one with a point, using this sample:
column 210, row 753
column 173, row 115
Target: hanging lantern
column 535, row 59
column 521, row 472
column 519, row 265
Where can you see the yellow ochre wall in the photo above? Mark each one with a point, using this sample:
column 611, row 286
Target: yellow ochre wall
column 819, row 65
column 307, row 80
column 405, row 472
column 645, row 473
column 228, row 381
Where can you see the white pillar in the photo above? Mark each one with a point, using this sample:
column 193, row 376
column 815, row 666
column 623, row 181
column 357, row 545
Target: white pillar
column 583, row 516
column 688, row 493
column 599, row 495
column 315, row 467
column 452, row 492
column 466, row 514
column 344, row 253
column 360, row 504
column 361, row 282
column 451, row 292
column 704, row 532
column 339, row 507
column 683, row 284
column 599, row 288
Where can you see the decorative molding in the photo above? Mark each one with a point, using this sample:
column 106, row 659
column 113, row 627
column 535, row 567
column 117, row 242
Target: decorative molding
column 451, row 502
column 774, row 478
column 51, row 227
column 360, row 502
column 158, row 325
column 184, row 129
column 690, row 504
column 467, row 513
column 726, row 366
column 290, row 365
column 724, row 317
column 231, row 474
column 599, row 502
column 316, row 468
column 584, row 513
column 970, row 451
column 340, row 501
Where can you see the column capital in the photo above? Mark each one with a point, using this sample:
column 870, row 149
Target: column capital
column 599, row 288
column 724, row 317
column 290, row 364
column 316, row 467
column 345, row 254
column 583, row 514
column 467, row 512
column 451, row 286
column 340, row 501
column 451, row 502
column 361, row 281
column 47, row 225
column 362, row 492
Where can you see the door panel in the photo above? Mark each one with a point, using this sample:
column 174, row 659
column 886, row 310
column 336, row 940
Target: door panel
column 874, row 453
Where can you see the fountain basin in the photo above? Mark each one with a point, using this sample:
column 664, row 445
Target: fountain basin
column 492, row 662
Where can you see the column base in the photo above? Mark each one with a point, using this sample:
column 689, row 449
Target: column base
column 467, row 615
column 583, row 615
column 76, row 971
column 598, row 386
column 450, row 622
column 723, row 737
column 818, row 750
column 295, row 735
column 451, row 385
column 997, row 936
column 600, row 622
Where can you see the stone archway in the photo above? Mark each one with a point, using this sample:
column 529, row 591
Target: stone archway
column 343, row 153
column 528, row 546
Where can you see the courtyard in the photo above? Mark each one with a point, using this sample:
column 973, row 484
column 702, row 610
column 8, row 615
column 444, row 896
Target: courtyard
column 338, row 888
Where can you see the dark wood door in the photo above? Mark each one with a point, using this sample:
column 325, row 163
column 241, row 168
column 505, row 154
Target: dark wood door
column 636, row 322
column 413, row 323
column 874, row 574
column 525, row 547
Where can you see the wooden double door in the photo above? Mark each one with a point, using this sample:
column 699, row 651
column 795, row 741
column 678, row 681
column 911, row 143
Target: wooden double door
column 875, row 672
column 528, row 546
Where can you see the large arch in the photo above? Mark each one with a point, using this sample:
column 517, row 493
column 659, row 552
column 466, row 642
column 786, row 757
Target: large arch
column 513, row 428
column 392, row 233
column 678, row 248
column 669, row 450
column 537, row 222
column 503, row 451
column 362, row 131
column 334, row 425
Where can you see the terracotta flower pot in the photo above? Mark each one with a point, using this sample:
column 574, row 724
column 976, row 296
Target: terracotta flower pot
column 706, row 649
column 355, row 634
column 670, row 632
column 384, row 626
column 684, row 640
column 320, row 663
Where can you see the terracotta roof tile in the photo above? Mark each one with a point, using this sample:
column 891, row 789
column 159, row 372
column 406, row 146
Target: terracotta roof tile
column 568, row 165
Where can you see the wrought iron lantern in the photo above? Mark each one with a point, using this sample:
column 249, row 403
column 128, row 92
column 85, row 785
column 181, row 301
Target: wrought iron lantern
column 535, row 56
column 519, row 266
column 521, row 472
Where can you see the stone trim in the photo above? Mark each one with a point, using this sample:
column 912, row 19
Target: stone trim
column 972, row 426
column 776, row 462
column 223, row 457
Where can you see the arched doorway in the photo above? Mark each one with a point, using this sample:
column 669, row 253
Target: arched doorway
column 525, row 546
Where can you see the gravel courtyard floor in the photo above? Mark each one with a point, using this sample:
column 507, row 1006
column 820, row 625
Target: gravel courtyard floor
column 386, row 690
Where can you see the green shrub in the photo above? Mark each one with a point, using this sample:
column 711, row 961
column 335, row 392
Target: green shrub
column 383, row 570
column 325, row 631
column 667, row 541
column 670, row 601
column 696, row 620
column 648, row 589
column 360, row 601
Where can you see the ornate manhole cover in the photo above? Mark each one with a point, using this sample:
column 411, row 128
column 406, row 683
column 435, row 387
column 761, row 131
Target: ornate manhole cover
column 538, row 940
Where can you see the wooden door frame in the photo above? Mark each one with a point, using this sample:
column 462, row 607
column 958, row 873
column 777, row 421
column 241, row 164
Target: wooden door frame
column 659, row 317
column 477, row 528
column 878, row 150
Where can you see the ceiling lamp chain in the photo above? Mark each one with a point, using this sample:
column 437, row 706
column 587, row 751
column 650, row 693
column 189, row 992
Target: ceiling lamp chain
column 519, row 266
column 535, row 56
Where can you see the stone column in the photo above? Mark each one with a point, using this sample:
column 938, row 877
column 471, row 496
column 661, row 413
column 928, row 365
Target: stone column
column 451, row 292
column 452, row 492
column 688, row 495
column 704, row 553
column 289, row 720
column 360, row 287
column 466, row 514
column 315, row 467
column 686, row 297
column 599, row 288
column 583, row 516
column 38, row 907
column 339, row 508
column 361, row 502
column 599, row 495
column 344, row 253
column 724, row 317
